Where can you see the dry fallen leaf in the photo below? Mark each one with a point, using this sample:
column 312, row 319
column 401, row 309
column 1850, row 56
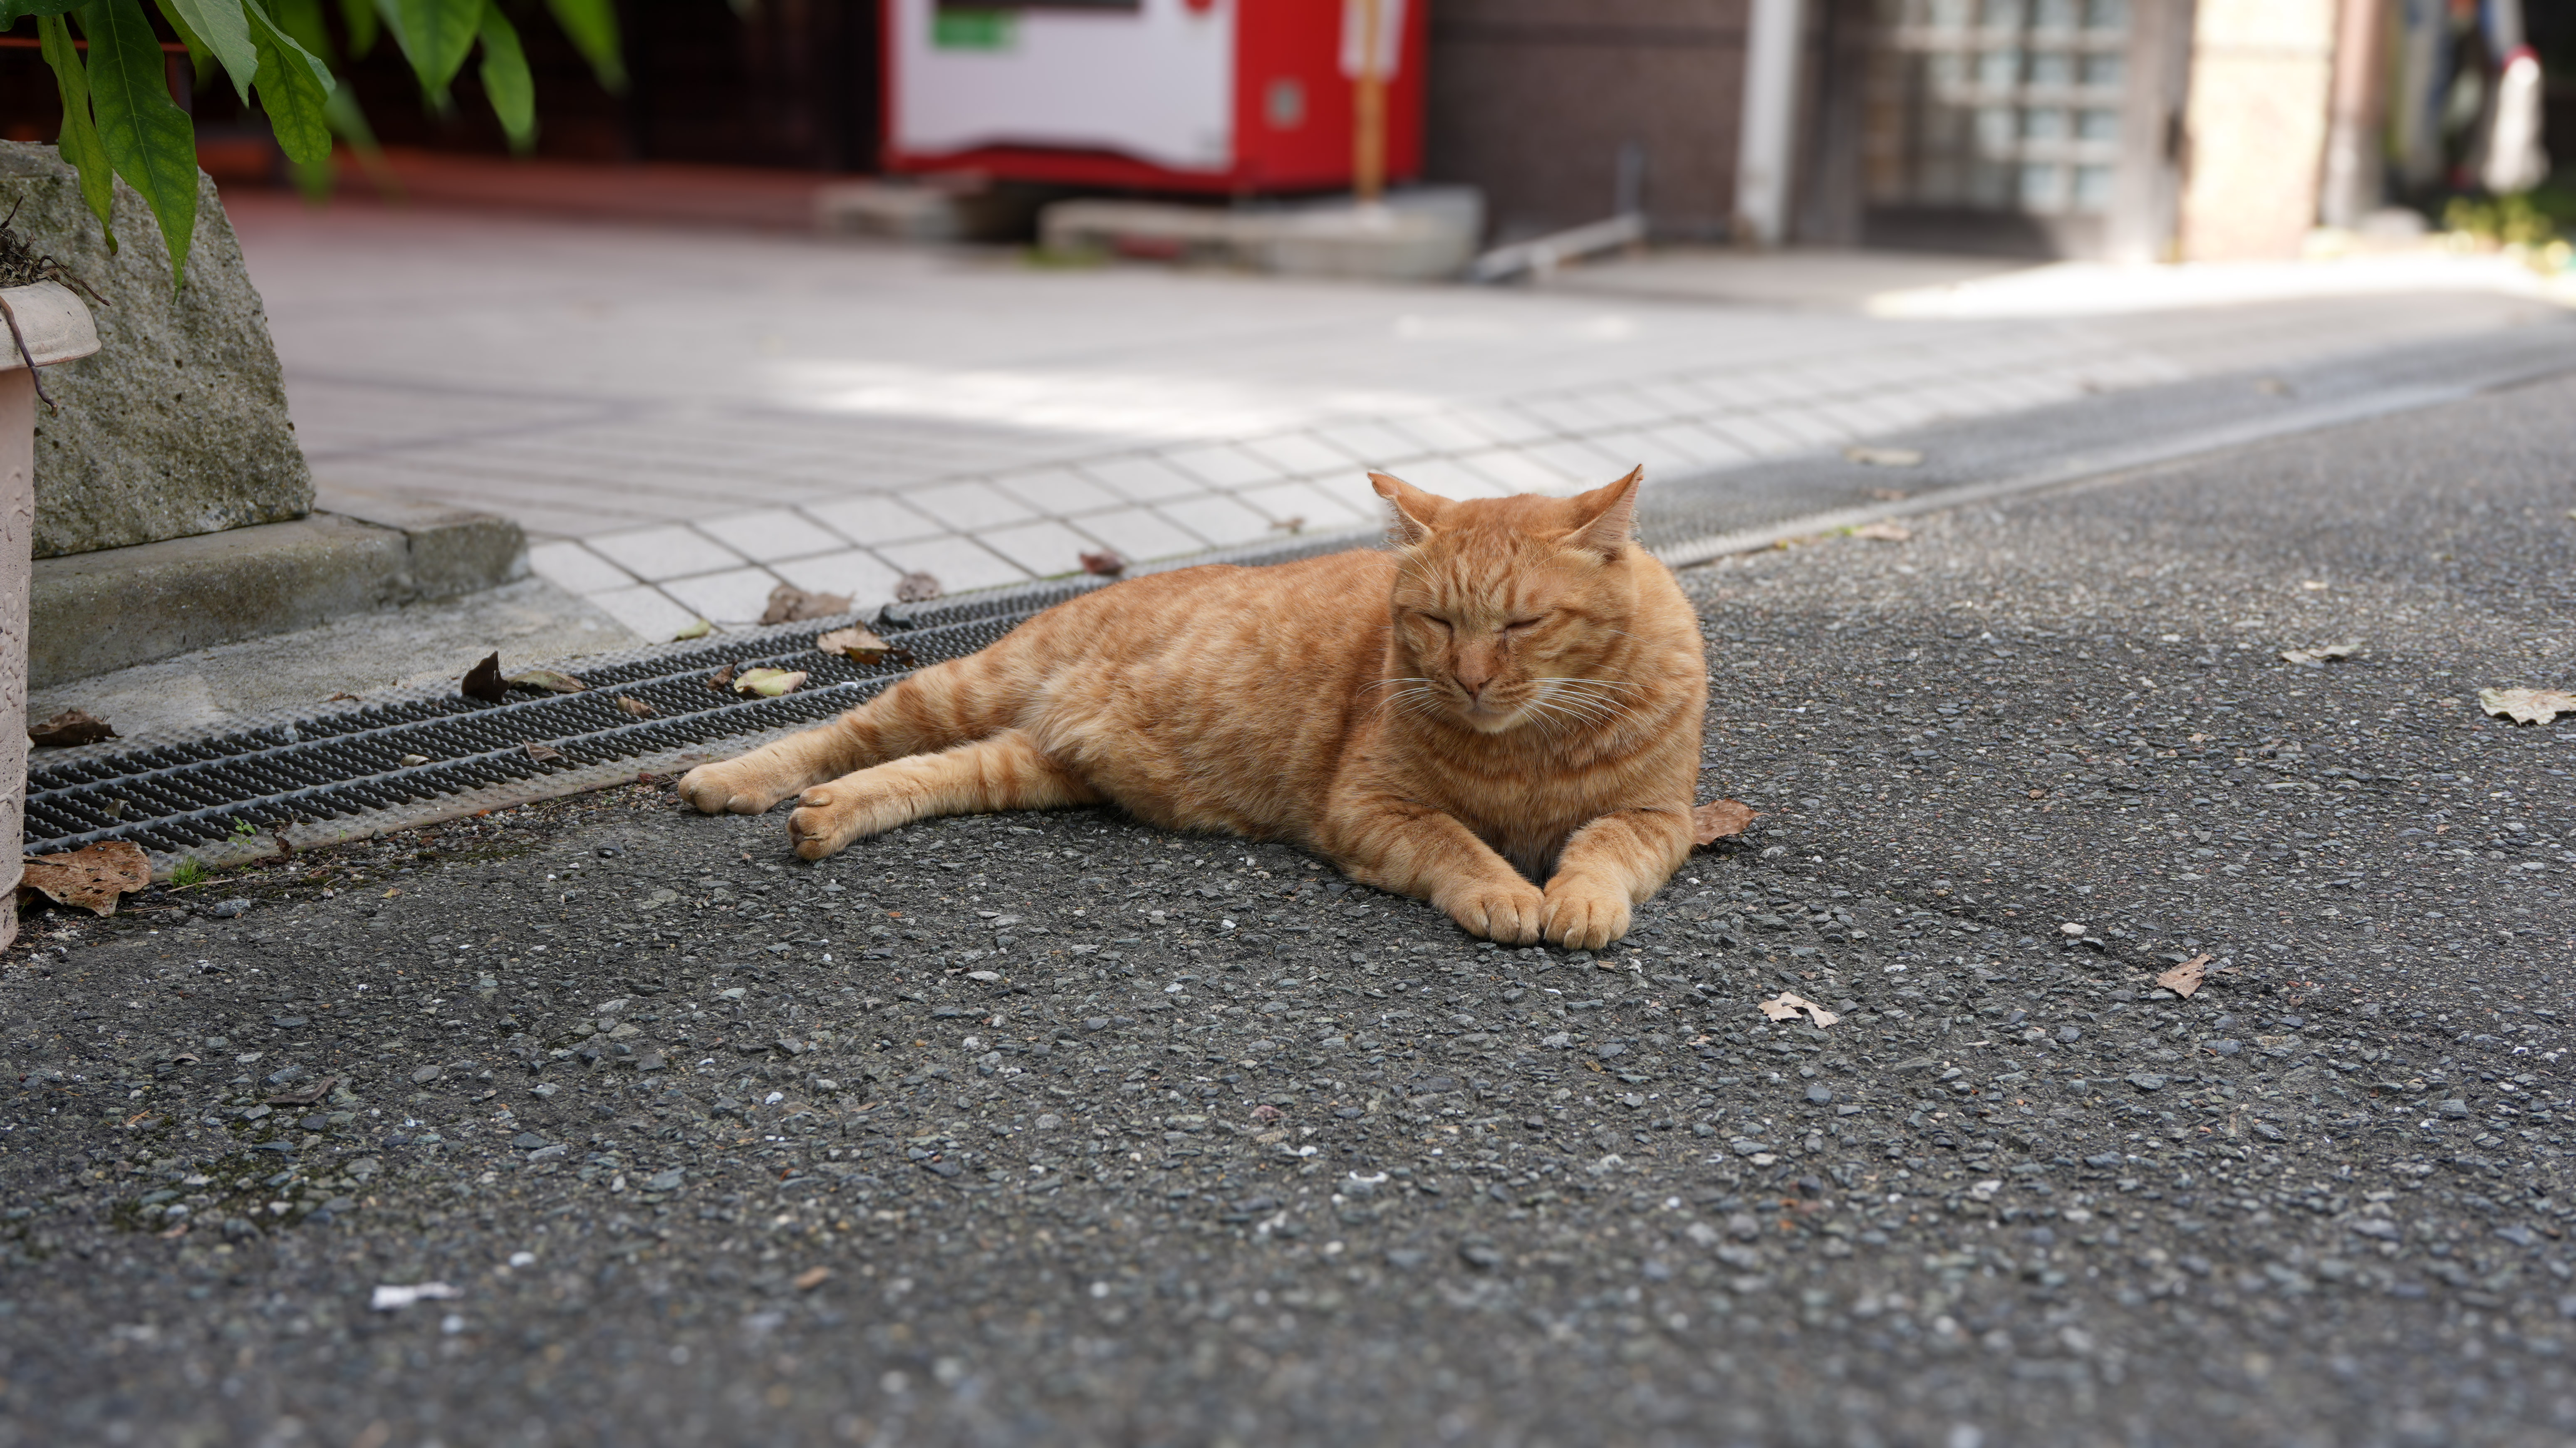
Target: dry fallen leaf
column 790, row 604
column 1718, row 819
column 698, row 628
column 859, row 645
column 1883, row 532
column 546, row 681
column 916, row 588
column 91, row 877
column 1104, row 563
column 70, row 727
column 1289, row 525
column 1785, row 1006
column 812, row 1277
column 305, row 1095
column 2526, row 706
column 412, row 761
column 2317, row 657
column 2183, row 979
column 483, row 681
column 637, row 707
column 1883, row 457
column 768, row 683
column 542, row 753
column 721, row 679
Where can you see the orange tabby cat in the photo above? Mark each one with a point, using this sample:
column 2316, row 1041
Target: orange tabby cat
column 1525, row 705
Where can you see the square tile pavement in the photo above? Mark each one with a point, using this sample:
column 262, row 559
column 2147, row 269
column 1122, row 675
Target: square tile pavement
column 772, row 533
column 733, row 598
column 1140, row 535
column 958, row 563
column 672, row 550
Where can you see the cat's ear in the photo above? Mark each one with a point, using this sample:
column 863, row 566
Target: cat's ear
column 1416, row 512
column 1609, row 516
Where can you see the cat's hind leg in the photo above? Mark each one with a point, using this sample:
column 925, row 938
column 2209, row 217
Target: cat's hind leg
column 1005, row 772
column 931, row 709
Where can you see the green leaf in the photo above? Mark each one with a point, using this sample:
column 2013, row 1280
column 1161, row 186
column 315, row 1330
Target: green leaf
column 11, row 11
column 302, row 21
column 591, row 25
column 201, row 56
column 506, row 82
column 148, row 140
column 294, row 88
column 435, row 36
column 359, row 17
column 219, row 26
column 79, row 143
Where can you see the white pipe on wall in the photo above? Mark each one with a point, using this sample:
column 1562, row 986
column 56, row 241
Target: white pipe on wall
column 1768, row 144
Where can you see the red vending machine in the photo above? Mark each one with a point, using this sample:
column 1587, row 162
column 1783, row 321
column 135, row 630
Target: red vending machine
column 1232, row 97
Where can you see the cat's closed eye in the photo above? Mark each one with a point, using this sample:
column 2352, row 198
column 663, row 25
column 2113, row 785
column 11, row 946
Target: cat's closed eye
column 1522, row 623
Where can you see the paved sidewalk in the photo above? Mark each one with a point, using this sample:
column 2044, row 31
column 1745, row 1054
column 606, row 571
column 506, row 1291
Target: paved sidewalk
column 682, row 420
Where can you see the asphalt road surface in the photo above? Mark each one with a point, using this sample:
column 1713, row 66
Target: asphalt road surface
column 1053, row 1129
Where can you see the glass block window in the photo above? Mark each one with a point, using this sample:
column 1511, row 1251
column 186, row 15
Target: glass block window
column 2007, row 105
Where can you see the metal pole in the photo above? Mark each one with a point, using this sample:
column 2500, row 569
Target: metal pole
column 1368, row 108
column 1768, row 144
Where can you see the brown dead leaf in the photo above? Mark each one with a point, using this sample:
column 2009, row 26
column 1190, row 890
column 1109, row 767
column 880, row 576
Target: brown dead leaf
column 305, row 1095
column 542, row 753
column 1104, row 563
column 483, row 681
column 790, row 604
column 916, row 588
column 91, row 877
column 1784, row 1007
column 2321, row 655
column 546, row 681
column 1884, row 532
column 857, row 644
column 1290, row 525
column 721, row 680
column 768, row 683
column 70, row 727
column 1883, row 457
column 412, row 761
column 637, row 707
column 1719, row 819
column 2183, row 979
column 345, row 698
column 2526, row 706
column 812, row 1277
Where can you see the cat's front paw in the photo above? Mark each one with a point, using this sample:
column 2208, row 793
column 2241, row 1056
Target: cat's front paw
column 734, row 786
column 1505, row 913
column 1584, row 914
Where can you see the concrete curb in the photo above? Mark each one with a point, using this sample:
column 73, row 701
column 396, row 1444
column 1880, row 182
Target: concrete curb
column 93, row 613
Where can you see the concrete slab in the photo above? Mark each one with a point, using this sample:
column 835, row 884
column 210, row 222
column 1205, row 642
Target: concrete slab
column 94, row 613
column 204, row 691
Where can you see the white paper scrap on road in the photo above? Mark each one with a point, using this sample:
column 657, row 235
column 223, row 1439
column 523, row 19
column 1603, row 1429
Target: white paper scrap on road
column 390, row 1298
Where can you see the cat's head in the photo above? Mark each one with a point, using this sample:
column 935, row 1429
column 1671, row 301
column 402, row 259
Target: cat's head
column 1505, row 607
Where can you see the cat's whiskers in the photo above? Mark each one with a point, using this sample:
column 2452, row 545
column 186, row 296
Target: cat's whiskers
column 1578, row 698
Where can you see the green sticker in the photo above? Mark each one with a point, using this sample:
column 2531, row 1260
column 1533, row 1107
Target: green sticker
column 973, row 29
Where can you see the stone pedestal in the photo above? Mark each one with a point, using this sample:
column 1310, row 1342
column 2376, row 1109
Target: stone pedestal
column 57, row 329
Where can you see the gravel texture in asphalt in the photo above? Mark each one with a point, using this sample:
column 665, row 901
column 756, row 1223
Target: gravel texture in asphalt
column 1053, row 1129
